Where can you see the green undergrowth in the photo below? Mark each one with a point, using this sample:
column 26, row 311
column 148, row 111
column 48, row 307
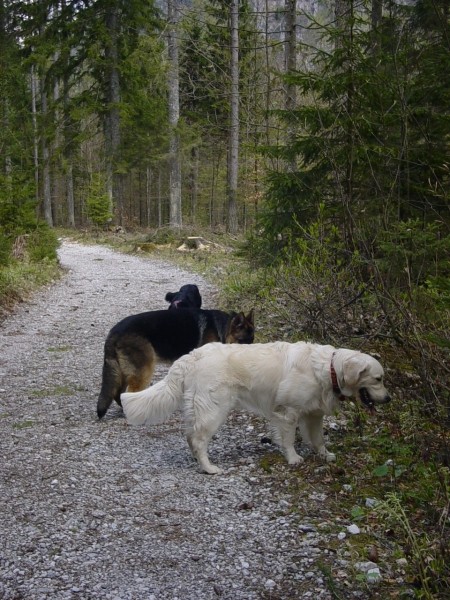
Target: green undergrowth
column 59, row 390
column 19, row 280
column 382, row 484
column 28, row 256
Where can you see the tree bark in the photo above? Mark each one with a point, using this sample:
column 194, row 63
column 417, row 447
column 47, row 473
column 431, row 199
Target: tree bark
column 174, row 116
column 47, row 193
column 193, row 181
column 290, row 64
column 112, row 119
column 148, row 195
column 342, row 12
column 68, row 157
column 376, row 16
column 377, row 13
column 34, row 94
column 233, row 146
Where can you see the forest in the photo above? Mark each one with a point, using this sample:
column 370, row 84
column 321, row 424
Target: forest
column 314, row 133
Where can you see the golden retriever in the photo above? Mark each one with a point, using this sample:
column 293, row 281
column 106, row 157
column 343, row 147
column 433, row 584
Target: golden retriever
column 291, row 384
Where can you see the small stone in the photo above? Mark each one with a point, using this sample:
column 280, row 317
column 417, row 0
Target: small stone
column 354, row 529
column 371, row 502
column 306, row 527
column 341, row 535
column 269, row 584
column 364, row 567
column 373, row 575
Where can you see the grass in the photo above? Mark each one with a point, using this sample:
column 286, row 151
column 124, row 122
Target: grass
column 59, row 349
column 20, row 279
column 59, row 390
column 23, row 425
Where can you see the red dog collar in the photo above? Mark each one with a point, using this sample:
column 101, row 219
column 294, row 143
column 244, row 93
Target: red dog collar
column 334, row 381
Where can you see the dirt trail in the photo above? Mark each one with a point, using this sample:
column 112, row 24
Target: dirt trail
column 101, row 510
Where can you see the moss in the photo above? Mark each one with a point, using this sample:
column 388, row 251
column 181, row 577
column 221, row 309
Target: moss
column 23, row 424
column 59, row 349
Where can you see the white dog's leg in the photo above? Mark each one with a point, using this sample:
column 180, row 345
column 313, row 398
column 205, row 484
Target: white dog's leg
column 311, row 430
column 284, row 426
column 198, row 446
column 203, row 417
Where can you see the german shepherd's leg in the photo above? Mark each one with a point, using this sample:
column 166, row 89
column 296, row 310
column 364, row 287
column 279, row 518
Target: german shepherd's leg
column 311, row 429
column 284, row 424
column 203, row 419
column 137, row 362
column 140, row 379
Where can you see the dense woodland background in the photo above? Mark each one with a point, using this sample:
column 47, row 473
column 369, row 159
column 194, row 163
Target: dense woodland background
column 317, row 131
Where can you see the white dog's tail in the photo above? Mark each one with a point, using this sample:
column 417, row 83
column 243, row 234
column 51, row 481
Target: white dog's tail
column 155, row 404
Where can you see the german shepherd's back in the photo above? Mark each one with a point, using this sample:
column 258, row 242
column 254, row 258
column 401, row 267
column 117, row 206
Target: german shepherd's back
column 136, row 344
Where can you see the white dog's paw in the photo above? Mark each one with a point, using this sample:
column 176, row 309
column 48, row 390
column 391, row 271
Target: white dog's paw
column 330, row 457
column 213, row 470
column 295, row 459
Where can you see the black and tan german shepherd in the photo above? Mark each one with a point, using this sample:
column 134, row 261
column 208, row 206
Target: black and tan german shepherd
column 137, row 343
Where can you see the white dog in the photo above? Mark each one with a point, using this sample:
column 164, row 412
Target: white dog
column 292, row 385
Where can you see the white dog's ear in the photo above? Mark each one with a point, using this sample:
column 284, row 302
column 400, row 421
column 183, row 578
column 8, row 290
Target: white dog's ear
column 352, row 370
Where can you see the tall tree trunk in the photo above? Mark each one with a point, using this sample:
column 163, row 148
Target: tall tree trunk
column 47, row 194
column 68, row 157
column 377, row 13
column 159, row 197
column 34, row 93
column 376, row 16
column 148, row 194
column 290, row 64
column 112, row 120
column 70, row 198
column 344, row 41
column 174, row 116
column 193, row 181
column 268, row 94
column 233, row 145
column 342, row 10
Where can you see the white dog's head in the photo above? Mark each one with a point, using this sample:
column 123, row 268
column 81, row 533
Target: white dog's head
column 360, row 375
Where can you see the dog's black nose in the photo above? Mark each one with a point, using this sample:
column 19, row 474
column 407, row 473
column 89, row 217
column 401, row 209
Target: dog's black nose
column 387, row 398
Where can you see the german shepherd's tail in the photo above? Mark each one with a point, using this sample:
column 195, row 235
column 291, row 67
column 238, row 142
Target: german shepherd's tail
column 155, row 404
column 111, row 381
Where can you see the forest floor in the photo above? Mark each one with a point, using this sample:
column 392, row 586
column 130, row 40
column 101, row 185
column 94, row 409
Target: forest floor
column 102, row 510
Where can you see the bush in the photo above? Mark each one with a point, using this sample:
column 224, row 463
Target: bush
column 42, row 245
column 5, row 249
column 98, row 205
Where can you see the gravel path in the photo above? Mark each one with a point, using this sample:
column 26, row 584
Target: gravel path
column 102, row 510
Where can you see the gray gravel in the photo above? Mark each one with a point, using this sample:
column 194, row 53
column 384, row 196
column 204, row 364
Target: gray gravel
column 102, row 510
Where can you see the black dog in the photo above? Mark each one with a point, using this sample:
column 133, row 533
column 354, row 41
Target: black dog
column 187, row 296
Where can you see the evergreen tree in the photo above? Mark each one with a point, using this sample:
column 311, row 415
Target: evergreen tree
column 370, row 139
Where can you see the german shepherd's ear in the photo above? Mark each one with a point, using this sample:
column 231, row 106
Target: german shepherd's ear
column 250, row 317
column 241, row 329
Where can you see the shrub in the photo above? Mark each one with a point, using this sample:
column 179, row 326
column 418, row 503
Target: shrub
column 98, row 205
column 42, row 244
